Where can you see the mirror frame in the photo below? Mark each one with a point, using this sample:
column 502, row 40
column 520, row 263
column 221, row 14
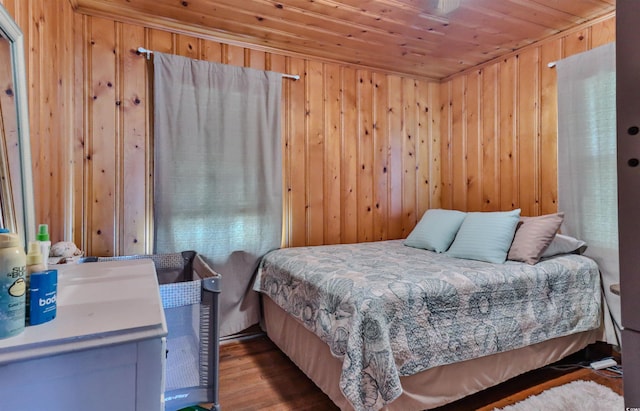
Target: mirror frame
column 22, row 194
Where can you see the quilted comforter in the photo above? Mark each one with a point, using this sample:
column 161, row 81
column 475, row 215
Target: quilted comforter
column 388, row 310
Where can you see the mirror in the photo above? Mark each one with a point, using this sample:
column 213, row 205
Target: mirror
column 17, row 204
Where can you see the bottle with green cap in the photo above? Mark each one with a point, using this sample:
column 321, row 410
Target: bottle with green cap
column 45, row 244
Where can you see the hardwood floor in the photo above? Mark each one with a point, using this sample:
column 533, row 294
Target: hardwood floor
column 256, row 375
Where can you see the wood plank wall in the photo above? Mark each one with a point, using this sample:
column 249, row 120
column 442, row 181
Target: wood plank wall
column 47, row 28
column 361, row 148
column 499, row 127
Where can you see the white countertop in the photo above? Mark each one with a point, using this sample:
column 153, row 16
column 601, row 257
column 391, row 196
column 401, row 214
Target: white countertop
column 99, row 304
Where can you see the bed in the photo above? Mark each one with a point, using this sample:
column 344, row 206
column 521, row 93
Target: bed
column 381, row 325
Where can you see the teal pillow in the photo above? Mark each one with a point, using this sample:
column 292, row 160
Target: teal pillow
column 485, row 236
column 436, row 230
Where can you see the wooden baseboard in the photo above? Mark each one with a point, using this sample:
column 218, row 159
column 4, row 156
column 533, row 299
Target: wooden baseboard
column 250, row 333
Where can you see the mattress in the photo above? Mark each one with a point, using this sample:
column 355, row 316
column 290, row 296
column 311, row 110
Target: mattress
column 389, row 311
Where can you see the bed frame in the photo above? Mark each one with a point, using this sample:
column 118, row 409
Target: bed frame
column 431, row 388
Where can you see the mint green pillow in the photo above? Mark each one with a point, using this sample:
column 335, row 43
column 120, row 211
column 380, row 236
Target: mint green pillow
column 436, row 230
column 485, row 236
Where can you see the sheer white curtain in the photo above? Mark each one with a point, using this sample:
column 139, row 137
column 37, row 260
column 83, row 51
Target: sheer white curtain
column 217, row 172
column 587, row 177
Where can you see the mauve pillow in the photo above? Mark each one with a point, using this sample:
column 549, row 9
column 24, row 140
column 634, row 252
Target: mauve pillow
column 533, row 236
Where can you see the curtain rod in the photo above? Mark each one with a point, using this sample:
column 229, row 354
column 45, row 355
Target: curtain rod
column 142, row 50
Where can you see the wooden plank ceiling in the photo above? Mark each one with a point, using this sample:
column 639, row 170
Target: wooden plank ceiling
column 426, row 38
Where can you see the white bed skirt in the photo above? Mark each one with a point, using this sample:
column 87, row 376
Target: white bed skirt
column 429, row 389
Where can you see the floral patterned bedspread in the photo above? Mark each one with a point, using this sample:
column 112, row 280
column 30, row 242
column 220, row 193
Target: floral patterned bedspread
column 388, row 310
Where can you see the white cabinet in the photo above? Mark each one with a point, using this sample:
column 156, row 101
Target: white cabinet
column 105, row 350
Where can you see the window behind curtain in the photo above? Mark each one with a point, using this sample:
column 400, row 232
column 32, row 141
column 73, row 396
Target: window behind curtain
column 587, row 176
column 217, row 172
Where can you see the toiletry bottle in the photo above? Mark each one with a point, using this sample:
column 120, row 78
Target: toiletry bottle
column 45, row 243
column 34, row 265
column 44, row 291
column 12, row 285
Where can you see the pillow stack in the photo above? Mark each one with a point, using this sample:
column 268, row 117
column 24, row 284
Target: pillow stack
column 493, row 237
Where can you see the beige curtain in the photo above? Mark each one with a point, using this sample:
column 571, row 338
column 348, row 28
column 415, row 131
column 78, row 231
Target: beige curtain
column 217, row 172
column 587, row 168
